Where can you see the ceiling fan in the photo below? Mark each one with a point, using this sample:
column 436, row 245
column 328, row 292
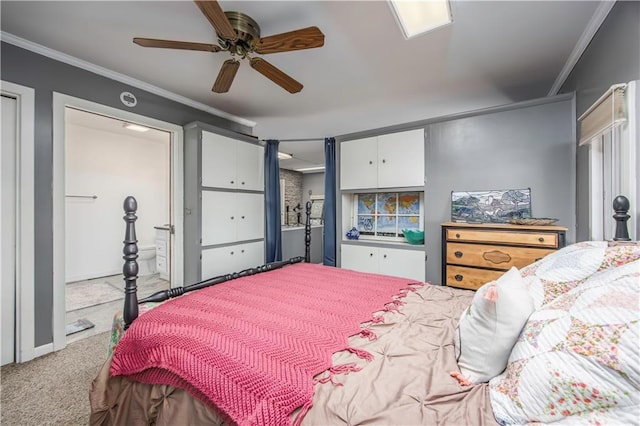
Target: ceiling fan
column 239, row 35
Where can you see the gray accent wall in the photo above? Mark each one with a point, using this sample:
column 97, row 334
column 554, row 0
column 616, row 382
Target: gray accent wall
column 46, row 76
column 529, row 146
column 612, row 57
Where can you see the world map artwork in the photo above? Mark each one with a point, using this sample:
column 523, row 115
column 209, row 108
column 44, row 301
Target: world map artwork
column 387, row 214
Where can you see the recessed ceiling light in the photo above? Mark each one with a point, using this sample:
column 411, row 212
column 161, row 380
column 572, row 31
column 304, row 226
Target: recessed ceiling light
column 135, row 127
column 310, row 169
column 284, row 156
column 417, row 17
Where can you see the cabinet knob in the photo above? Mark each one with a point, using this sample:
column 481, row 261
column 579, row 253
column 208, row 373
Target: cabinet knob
column 458, row 254
column 541, row 239
column 457, row 235
column 370, row 162
column 370, row 254
column 384, row 161
column 242, row 183
column 242, row 217
column 242, row 251
column 385, row 256
column 231, row 252
column 458, row 277
column 232, row 182
column 231, row 217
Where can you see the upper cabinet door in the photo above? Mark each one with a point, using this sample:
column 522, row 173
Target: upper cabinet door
column 401, row 159
column 358, row 164
column 250, row 162
column 218, row 161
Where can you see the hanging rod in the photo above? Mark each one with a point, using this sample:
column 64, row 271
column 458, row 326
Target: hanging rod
column 82, row 196
column 302, row 140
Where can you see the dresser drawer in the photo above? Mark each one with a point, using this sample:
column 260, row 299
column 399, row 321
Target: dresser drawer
column 471, row 278
column 493, row 256
column 537, row 239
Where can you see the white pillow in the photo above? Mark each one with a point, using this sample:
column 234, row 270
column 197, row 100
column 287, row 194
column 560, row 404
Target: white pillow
column 489, row 328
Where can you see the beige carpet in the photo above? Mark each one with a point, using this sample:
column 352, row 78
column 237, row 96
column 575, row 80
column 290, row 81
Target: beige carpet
column 89, row 293
column 53, row 389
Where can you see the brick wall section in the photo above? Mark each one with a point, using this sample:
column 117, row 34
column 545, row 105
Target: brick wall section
column 292, row 194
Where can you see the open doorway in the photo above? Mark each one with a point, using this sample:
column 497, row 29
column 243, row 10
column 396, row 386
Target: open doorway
column 97, row 163
column 107, row 159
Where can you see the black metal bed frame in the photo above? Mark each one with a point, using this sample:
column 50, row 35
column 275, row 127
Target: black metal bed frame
column 130, row 256
column 130, row 268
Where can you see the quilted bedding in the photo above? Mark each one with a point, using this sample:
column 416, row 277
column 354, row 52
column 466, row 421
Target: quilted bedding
column 396, row 371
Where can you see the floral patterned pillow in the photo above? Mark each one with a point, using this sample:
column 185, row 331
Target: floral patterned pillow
column 577, row 358
column 570, row 266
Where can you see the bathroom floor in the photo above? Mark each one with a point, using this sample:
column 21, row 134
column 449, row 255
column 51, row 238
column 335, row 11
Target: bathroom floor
column 98, row 299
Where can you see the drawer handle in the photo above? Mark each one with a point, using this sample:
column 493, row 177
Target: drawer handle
column 541, row 239
column 457, row 235
column 458, row 254
column 458, row 277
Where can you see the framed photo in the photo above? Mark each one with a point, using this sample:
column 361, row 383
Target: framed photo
column 496, row 206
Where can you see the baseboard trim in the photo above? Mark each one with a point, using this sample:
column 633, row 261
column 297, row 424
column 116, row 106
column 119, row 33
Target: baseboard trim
column 42, row 350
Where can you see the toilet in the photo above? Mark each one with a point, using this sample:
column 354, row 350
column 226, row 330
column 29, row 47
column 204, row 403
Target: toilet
column 146, row 260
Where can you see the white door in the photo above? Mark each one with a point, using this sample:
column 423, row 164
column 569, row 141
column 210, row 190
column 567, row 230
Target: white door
column 219, row 219
column 249, row 216
column 250, row 166
column 401, row 159
column 359, row 164
column 402, row 263
column 359, row 258
column 8, row 227
column 218, row 161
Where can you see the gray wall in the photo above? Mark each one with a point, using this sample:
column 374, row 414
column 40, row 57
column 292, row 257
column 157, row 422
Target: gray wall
column 524, row 145
column 313, row 182
column 529, row 146
column 45, row 76
column 612, row 57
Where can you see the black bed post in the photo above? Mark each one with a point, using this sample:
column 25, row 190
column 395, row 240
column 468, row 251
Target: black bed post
column 130, row 268
column 307, row 233
column 621, row 207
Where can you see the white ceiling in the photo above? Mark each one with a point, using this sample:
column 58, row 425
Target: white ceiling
column 366, row 76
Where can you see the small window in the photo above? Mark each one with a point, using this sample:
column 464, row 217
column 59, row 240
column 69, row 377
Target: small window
column 383, row 215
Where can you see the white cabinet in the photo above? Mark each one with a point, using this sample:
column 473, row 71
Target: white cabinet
column 386, row 261
column 227, row 259
column 231, row 216
column 162, row 252
column 385, row 161
column 233, row 164
column 223, row 202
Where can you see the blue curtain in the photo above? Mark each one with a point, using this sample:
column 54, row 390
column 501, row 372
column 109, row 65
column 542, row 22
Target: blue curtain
column 273, row 234
column 329, row 236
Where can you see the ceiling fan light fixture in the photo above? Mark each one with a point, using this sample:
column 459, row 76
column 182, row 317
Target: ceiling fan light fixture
column 284, row 156
column 418, row 17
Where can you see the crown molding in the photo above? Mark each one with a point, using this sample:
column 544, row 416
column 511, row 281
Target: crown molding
column 587, row 35
column 122, row 78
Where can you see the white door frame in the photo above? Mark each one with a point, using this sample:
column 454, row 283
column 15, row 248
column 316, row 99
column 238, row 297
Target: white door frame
column 25, row 241
column 60, row 101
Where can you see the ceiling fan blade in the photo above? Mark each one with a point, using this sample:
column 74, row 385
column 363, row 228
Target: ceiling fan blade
column 305, row 38
column 275, row 75
column 172, row 44
column 225, row 76
column 217, row 18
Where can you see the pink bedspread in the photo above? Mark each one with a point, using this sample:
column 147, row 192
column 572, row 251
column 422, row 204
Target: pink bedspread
column 252, row 346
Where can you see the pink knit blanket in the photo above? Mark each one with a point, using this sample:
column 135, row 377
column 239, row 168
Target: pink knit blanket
column 252, row 346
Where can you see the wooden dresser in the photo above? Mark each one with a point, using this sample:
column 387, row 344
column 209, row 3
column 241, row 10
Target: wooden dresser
column 474, row 254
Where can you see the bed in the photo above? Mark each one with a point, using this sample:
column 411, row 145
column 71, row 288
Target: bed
column 297, row 343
